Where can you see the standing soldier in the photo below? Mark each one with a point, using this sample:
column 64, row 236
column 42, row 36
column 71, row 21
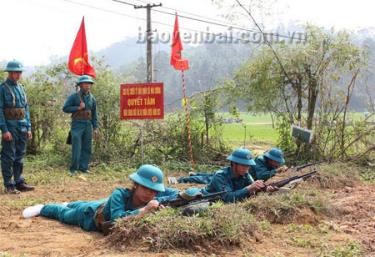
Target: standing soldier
column 82, row 106
column 16, row 129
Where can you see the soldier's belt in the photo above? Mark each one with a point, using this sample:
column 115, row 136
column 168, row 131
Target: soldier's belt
column 82, row 115
column 99, row 216
column 14, row 113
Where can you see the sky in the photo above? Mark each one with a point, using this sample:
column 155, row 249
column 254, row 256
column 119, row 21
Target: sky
column 37, row 31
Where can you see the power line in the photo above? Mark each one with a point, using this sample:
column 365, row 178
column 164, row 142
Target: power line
column 217, row 24
column 189, row 13
column 220, row 35
column 206, row 21
column 220, row 23
column 203, row 21
column 104, row 10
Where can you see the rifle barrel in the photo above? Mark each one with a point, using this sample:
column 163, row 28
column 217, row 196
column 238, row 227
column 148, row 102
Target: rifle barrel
column 181, row 202
column 284, row 182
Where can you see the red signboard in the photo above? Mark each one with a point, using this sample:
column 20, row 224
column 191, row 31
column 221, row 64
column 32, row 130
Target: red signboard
column 142, row 101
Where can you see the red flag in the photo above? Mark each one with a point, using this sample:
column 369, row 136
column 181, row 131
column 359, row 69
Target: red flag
column 176, row 59
column 79, row 57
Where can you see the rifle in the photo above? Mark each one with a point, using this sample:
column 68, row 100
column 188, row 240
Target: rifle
column 284, row 182
column 179, row 201
column 301, row 167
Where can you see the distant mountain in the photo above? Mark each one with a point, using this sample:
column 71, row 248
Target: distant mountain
column 210, row 64
column 127, row 51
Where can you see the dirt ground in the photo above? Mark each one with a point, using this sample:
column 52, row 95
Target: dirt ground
column 357, row 206
column 42, row 237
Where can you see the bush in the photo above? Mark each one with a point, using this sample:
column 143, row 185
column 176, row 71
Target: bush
column 43, row 89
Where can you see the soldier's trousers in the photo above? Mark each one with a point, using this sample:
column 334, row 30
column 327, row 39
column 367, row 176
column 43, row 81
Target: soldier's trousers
column 199, row 178
column 12, row 154
column 81, row 145
column 76, row 213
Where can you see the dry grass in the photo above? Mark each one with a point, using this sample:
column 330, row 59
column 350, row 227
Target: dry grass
column 336, row 176
column 299, row 206
column 221, row 225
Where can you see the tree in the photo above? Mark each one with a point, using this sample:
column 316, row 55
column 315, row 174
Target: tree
column 44, row 89
column 294, row 80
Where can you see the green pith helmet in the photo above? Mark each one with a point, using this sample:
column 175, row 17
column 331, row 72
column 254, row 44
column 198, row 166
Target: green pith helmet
column 14, row 66
column 85, row 79
column 242, row 156
column 149, row 176
column 275, row 154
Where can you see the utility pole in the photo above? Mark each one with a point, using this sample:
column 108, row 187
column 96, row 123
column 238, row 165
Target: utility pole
column 149, row 37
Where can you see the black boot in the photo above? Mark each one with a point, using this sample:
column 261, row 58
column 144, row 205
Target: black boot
column 23, row 187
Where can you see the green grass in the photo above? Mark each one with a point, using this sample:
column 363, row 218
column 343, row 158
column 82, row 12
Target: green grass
column 234, row 134
column 258, row 130
column 350, row 249
column 250, row 118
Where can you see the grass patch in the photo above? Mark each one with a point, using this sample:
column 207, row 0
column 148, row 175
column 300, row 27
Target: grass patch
column 258, row 129
column 336, row 175
column 303, row 242
column 350, row 249
column 368, row 174
column 6, row 254
column 295, row 206
column 221, row 225
column 21, row 203
column 255, row 133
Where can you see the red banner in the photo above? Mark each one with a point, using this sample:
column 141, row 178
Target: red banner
column 142, row 101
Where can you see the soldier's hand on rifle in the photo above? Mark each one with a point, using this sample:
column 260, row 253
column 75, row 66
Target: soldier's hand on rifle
column 257, row 186
column 152, row 205
column 7, row 136
column 81, row 106
column 282, row 169
column 29, row 135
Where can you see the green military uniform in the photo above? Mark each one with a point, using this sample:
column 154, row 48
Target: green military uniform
column 262, row 170
column 83, row 122
column 224, row 180
column 14, row 118
column 90, row 215
column 80, row 213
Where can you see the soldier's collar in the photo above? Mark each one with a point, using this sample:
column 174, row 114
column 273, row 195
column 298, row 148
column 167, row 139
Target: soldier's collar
column 11, row 82
column 83, row 92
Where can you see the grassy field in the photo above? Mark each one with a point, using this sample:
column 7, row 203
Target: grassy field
column 257, row 129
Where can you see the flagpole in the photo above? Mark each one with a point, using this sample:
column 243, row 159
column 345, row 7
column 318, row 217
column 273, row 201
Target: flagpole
column 83, row 44
column 187, row 119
